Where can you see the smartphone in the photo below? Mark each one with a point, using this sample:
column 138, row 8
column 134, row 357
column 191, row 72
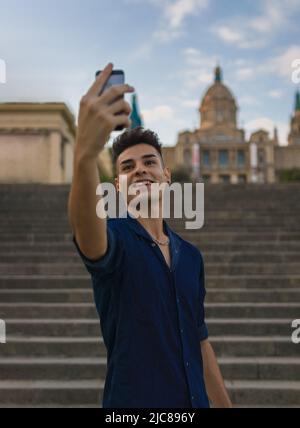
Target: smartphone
column 116, row 78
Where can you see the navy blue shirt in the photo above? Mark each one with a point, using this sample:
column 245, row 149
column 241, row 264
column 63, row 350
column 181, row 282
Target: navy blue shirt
column 152, row 319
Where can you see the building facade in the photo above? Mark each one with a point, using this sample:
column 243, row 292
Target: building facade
column 37, row 143
column 225, row 156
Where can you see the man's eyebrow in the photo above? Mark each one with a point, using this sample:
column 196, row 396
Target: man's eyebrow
column 143, row 157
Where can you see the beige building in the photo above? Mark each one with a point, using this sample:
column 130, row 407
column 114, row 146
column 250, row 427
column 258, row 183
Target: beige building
column 218, row 152
column 37, row 144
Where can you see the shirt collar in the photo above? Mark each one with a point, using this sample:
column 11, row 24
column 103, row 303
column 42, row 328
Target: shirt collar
column 175, row 242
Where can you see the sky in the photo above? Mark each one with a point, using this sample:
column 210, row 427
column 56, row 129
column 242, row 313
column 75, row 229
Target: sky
column 168, row 50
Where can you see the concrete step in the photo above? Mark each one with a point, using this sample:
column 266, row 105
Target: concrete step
column 89, row 393
column 266, row 393
column 198, row 236
column 253, row 310
column 239, row 295
column 225, row 346
column 83, row 392
column 228, row 257
column 275, row 368
column 87, row 310
column 17, row 327
column 53, row 347
column 255, row 346
column 62, row 369
column 221, row 282
column 85, row 295
column 55, row 356
column 68, row 268
column 242, row 226
column 70, row 369
column 216, row 215
column 207, row 248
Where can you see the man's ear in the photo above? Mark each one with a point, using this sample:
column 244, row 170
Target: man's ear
column 117, row 183
column 168, row 174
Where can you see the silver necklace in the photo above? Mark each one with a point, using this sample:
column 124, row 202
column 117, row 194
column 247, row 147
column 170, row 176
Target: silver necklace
column 160, row 242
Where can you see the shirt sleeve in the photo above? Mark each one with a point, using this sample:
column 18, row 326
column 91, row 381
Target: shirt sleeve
column 107, row 264
column 202, row 327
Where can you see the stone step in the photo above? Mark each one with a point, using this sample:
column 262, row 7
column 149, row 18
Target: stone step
column 60, row 369
column 80, row 327
column 220, row 282
column 224, row 346
column 216, row 215
column 61, row 225
column 239, row 225
column 88, row 393
column 71, row 369
column 266, row 393
column 207, row 248
column 250, row 269
column 236, row 295
column 55, row 392
column 267, row 369
column 198, row 236
column 85, row 295
column 87, row 310
column 227, row 257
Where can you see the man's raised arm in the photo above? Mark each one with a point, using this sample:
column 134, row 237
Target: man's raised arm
column 98, row 117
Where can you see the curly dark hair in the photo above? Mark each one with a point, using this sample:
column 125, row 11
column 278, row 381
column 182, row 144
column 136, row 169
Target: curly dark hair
column 135, row 136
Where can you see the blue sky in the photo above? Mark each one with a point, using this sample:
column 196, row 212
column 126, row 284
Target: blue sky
column 168, row 49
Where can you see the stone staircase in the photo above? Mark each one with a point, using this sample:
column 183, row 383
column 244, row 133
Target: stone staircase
column 251, row 245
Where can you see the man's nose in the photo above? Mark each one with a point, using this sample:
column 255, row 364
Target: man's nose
column 140, row 169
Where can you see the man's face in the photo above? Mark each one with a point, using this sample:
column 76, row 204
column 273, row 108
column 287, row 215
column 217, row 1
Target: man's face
column 141, row 164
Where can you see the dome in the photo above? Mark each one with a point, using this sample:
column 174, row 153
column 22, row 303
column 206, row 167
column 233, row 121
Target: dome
column 218, row 105
column 217, row 92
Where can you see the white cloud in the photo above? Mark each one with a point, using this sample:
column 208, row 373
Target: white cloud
column 272, row 18
column 190, row 103
column 229, row 35
column 256, row 32
column 170, row 27
column 268, row 124
column 249, row 100
column 245, row 73
column 174, row 14
column 238, row 37
column 282, row 64
column 275, row 93
column 177, row 11
column 158, row 113
column 197, row 70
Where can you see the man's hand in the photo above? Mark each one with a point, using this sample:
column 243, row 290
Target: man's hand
column 98, row 115
column 214, row 382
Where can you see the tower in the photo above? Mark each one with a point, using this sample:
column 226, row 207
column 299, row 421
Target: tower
column 218, row 107
column 294, row 136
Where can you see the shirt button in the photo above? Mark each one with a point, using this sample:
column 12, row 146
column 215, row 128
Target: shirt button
column 153, row 245
column 193, row 398
column 181, row 330
column 187, row 364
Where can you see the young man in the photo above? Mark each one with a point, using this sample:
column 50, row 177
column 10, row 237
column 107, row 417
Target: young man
column 148, row 282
